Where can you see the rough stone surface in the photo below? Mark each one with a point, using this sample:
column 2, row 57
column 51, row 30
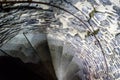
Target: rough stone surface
column 83, row 36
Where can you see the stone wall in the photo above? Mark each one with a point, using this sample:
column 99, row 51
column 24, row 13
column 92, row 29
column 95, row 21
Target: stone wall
column 82, row 36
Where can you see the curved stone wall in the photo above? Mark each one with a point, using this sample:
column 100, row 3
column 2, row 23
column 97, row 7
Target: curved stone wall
column 82, row 36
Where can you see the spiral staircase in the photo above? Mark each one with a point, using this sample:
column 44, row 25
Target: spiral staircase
column 66, row 39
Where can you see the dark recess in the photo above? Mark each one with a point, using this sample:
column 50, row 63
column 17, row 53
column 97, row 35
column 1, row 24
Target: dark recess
column 14, row 69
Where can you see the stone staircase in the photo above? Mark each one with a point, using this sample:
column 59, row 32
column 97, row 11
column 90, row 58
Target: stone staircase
column 54, row 53
column 57, row 39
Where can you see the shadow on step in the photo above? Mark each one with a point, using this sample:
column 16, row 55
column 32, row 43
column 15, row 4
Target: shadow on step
column 14, row 69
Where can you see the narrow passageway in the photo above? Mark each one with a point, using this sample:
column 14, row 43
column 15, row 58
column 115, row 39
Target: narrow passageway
column 60, row 39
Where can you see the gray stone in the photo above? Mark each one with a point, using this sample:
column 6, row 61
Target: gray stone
column 59, row 34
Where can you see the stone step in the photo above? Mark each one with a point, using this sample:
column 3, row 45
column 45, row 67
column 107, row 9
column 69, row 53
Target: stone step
column 56, row 49
column 39, row 43
column 19, row 47
column 74, row 67
column 66, row 58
